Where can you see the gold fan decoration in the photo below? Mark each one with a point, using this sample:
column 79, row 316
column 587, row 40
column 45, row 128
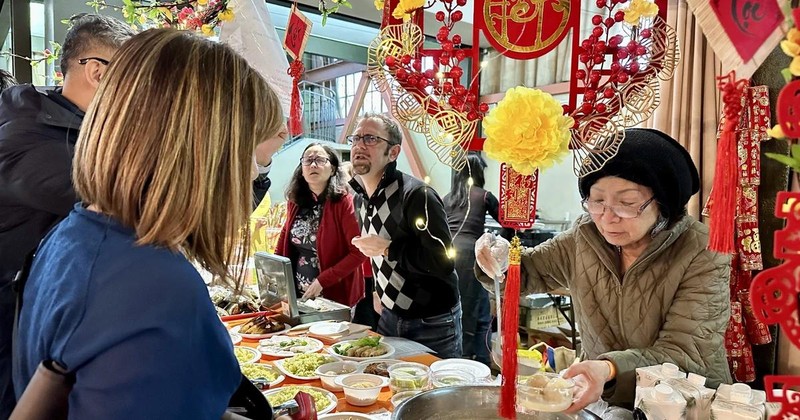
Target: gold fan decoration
column 630, row 92
column 447, row 130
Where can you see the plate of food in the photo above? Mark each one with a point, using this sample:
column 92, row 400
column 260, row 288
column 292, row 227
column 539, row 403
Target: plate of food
column 303, row 366
column 285, row 346
column 262, row 374
column 235, row 338
column 325, row 401
column 377, row 367
column 364, row 348
column 246, row 354
column 260, row 327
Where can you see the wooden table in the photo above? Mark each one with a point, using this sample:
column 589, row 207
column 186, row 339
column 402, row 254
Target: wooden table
column 384, row 398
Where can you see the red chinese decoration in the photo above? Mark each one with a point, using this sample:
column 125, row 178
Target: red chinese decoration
column 788, row 109
column 298, row 29
column 747, row 22
column 517, row 198
column 526, row 30
column 774, row 298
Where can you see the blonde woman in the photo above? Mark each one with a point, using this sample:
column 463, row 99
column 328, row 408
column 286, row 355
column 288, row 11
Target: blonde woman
column 163, row 169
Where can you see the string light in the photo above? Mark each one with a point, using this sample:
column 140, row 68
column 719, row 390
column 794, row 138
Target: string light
column 427, row 179
column 451, row 253
column 421, row 224
column 470, row 181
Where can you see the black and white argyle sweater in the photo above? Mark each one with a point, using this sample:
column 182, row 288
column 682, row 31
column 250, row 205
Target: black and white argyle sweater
column 417, row 279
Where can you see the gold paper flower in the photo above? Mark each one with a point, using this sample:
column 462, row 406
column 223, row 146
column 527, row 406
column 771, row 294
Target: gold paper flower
column 791, row 47
column 527, row 130
column 378, row 4
column 405, row 7
column 207, row 29
column 639, row 9
column 776, row 132
column 226, row 15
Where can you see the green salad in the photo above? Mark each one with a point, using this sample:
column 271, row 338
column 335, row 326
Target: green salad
column 321, row 401
column 305, row 364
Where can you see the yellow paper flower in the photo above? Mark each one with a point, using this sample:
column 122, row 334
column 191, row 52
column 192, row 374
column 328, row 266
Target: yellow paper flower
column 226, row 15
column 208, row 30
column 791, row 45
column 405, row 7
column 378, row 4
column 776, row 132
column 202, row 2
column 527, row 130
column 639, row 9
column 794, row 66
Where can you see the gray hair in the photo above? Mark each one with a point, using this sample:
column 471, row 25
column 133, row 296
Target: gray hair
column 89, row 31
column 391, row 127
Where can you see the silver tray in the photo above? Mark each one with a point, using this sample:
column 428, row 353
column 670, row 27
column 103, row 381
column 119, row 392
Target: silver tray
column 467, row 402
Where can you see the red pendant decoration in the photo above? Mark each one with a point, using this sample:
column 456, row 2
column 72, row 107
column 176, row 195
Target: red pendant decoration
column 788, row 109
column 298, row 29
column 517, row 198
column 723, row 193
column 774, row 299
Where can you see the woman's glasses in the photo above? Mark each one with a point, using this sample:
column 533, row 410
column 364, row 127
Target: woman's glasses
column 597, row 208
column 319, row 160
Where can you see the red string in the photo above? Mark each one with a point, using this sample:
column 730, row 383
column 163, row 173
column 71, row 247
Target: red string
column 296, row 70
column 508, row 390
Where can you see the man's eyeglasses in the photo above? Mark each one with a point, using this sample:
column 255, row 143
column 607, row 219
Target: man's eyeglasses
column 319, row 160
column 598, row 208
column 368, row 139
column 103, row 61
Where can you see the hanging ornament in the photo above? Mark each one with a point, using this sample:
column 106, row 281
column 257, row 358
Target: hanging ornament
column 298, row 30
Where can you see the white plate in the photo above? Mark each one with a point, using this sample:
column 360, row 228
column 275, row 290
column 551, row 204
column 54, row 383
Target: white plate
column 330, row 407
column 346, row 416
column 270, row 348
column 281, row 377
column 389, row 351
column 480, row 371
column 235, row 338
column 328, row 328
column 259, row 336
column 280, row 365
column 255, row 355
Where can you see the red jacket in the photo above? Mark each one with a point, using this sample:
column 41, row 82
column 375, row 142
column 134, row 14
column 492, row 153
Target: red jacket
column 340, row 261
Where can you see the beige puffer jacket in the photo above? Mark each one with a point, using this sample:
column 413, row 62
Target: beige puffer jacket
column 672, row 305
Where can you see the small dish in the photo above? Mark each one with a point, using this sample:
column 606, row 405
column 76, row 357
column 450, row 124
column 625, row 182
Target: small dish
column 328, row 328
column 235, row 338
column 258, row 336
column 330, row 371
column 323, row 359
column 246, row 354
column 545, row 392
column 361, row 389
column 409, row 376
column 285, row 346
column 481, row 372
column 388, row 351
column 346, row 416
column 325, row 401
column 262, row 375
column 398, row 398
column 451, row 377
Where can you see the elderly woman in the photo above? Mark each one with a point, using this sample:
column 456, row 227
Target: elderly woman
column 645, row 288
column 320, row 224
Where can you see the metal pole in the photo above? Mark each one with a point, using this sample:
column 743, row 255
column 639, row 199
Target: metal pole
column 21, row 39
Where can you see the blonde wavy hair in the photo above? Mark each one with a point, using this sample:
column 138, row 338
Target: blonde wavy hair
column 166, row 147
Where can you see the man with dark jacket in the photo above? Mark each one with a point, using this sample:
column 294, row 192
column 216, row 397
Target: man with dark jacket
column 404, row 232
column 38, row 131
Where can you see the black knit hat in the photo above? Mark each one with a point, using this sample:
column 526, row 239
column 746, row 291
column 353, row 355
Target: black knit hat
column 653, row 159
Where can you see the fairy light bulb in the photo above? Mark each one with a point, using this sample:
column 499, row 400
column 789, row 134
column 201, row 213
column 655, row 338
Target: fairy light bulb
column 451, row 253
column 470, row 181
column 427, row 179
column 484, row 63
column 440, row 75
column 420, row 223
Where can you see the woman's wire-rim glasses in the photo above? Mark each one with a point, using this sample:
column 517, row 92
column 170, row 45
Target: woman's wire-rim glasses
column 319, row 160
column 598, row 208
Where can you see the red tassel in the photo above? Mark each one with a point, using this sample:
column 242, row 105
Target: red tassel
column 726, row 176
column 296, row 70
column 510, row 325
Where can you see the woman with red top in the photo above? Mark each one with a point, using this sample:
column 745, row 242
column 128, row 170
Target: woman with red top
column 319, row 225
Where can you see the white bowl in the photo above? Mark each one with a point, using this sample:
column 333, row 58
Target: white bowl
column 339, row 369
column 345, row 416
column 398, row 398
column 361, row 389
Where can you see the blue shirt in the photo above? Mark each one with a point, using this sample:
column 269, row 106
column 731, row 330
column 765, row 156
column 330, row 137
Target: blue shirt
column 135, row 323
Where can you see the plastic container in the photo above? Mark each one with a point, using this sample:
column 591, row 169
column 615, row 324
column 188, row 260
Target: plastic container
column 402, row 396
column 330, row 371
column 661, row 402
column 361, row 389
column 650, row 376
column 546, row 392
column 409, row 376
column 451, row 377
